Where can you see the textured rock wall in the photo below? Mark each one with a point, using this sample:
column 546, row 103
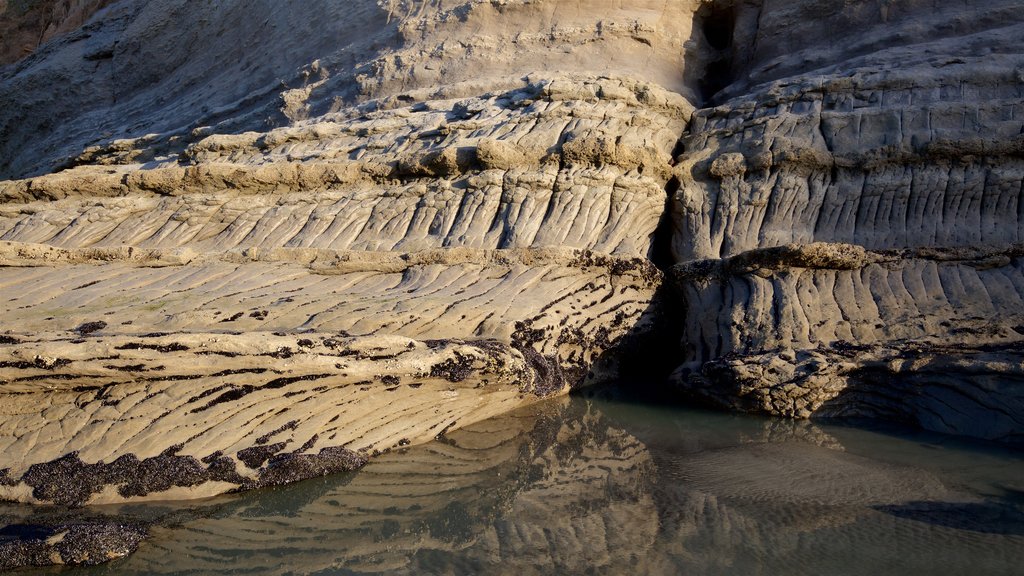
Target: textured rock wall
column 271, row 256
column 893, row 131
column 246, row 243
column 27, row 24
column 240, row 66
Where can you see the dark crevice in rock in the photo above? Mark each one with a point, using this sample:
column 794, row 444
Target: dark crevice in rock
column 661, row 244
column 717, row 23
column 645, row 357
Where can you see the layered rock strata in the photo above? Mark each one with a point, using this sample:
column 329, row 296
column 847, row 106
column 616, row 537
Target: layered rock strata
column 250, row 255
column 848, row 219
column 195, row 306
column 268, row 372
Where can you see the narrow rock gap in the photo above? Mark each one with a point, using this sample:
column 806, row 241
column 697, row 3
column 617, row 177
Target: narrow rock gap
column 646, row 361
column 661, row 244
column 717, row 23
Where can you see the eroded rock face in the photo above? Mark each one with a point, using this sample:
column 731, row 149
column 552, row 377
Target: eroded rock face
column 876, row 149
column 363, row 361
column 328, row 246
column 235, row 255
column 27, row 24
column 132, row 80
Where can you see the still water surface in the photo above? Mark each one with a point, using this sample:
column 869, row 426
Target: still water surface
column 594, row 487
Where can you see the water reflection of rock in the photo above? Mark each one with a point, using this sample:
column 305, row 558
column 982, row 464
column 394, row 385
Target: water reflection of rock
column 753, row 503
column 574, row 486
column 753, row 496
column 547, row 490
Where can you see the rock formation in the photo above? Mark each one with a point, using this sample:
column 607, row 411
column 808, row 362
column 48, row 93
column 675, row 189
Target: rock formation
column 849, row 216
column 200, row 301
column 245, row 243
column 27, row 24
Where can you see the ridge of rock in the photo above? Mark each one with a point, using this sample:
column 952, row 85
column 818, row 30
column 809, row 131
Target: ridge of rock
column 246, row 243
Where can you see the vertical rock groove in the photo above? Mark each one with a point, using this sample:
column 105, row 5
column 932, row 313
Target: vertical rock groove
column 848, row 219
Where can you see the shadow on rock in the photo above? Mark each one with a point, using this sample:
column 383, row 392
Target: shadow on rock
column 985, row 517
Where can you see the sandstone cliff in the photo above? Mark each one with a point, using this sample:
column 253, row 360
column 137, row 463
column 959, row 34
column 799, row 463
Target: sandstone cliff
column 245, row 243
column 849, row 216
column 271, row 255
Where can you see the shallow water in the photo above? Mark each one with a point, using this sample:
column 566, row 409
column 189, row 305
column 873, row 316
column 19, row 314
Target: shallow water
column 584, row 486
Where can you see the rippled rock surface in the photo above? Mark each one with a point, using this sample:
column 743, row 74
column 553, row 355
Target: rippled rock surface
column 578, row 486
column 327, row 246
column 848, row 218
column 248, row 243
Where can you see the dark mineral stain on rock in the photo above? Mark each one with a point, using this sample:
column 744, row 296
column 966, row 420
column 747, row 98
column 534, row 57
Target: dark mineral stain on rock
column 256, row 456
column 159, row 474
column 453, row 369
column 68, row 481
column 164, row 348
column 287, row 468
column 548, row 375
column 266, row 437
column 81, row 544
column 90, row 327
column 38, row 363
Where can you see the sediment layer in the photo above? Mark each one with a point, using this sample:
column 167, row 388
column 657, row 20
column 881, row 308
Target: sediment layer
column 411, row 217
column 217, row 281
column 848, row 219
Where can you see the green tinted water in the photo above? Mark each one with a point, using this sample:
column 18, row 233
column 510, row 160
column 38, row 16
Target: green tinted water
column 591, row 487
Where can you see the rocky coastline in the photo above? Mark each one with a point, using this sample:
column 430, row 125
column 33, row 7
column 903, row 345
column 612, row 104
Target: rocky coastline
column 250, row 257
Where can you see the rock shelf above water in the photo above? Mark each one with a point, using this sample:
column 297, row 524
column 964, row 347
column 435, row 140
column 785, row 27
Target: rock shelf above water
column 305, row 234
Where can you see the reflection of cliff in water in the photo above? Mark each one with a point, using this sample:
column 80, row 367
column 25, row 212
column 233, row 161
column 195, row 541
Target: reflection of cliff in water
column 575, row 487
column 546, row 490
column 758, row 496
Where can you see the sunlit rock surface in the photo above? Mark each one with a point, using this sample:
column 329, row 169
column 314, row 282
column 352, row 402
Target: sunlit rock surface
column 245, row 243
column 247, row 256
